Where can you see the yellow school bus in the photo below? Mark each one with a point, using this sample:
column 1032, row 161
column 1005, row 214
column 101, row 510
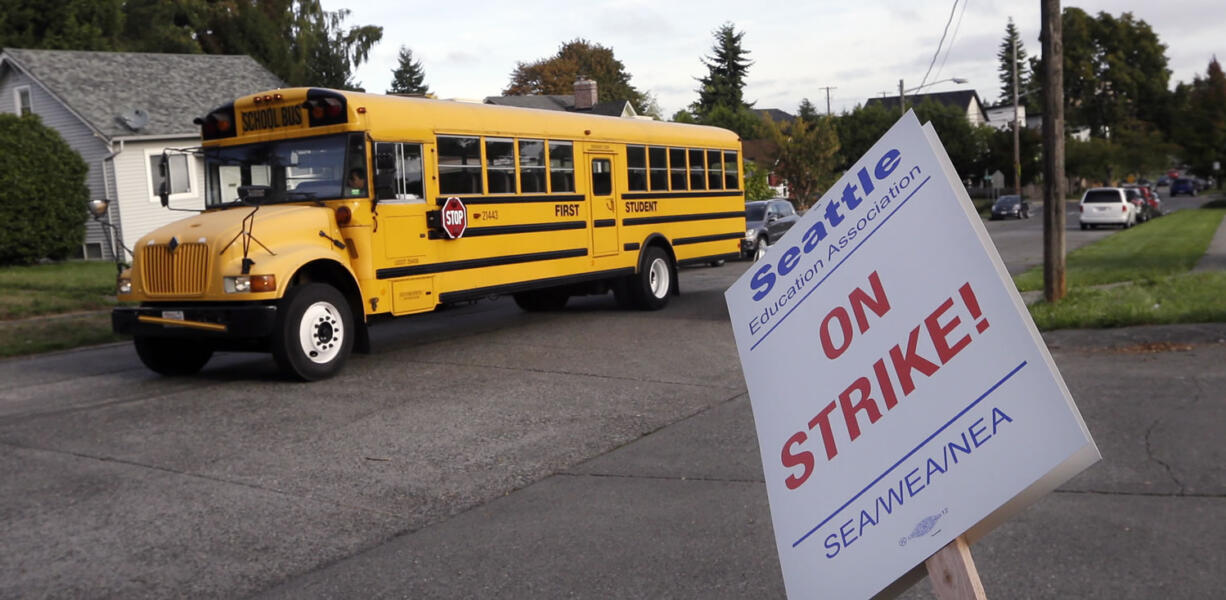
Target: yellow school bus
column 326, row 210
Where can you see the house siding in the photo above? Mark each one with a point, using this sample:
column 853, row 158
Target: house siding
column 143, row 211
column 79, row 136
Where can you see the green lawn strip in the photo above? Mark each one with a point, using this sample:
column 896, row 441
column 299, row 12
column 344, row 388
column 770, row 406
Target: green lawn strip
column 1185, row 298
column 31, row 336
column 71, row 286
column 1165, row 246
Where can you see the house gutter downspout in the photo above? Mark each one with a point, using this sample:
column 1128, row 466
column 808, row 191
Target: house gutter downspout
column 116, row 245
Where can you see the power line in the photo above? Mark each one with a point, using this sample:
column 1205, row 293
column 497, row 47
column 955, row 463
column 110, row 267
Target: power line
column 952, row 10
column 952, row 39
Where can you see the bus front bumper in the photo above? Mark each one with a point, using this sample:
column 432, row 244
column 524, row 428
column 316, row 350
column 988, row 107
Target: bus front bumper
column 224, row 321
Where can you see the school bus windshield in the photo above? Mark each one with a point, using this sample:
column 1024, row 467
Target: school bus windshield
column 293, row 170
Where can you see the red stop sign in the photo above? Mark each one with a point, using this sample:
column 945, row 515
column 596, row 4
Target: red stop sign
column 455, row 217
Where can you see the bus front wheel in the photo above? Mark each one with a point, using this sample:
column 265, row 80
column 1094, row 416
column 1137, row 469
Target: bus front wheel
column 314, row 333
column 171, row 356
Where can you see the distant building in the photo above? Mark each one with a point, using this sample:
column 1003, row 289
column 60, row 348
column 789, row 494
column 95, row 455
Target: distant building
column 776, row 115
column 1001, row 117
column 967, row 100
column 583, row 100
column 120, row 111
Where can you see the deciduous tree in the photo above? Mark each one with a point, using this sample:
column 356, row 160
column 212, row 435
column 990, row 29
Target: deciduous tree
column 557, row 74
column 807, row 156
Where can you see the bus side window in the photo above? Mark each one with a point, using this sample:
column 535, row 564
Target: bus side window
column 561, row 167
column 676, row 167
column 602, row 177
column 459, row 165
column 730, row 171
column 406, row 174
column 636, row 168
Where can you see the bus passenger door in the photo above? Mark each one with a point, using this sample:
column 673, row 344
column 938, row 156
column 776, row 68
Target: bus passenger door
column 603, row 204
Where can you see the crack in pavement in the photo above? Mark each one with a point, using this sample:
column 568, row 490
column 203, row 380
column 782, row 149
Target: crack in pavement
column 1149, row 449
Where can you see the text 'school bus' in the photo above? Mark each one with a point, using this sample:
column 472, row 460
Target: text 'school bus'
column 325, row 210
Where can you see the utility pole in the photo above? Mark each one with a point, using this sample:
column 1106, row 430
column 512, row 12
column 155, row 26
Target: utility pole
column 1017, row 152
column 1053, row 151
column 828, row 88
column 902, row 105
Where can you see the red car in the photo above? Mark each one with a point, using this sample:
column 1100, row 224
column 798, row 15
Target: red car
column 1153, row 204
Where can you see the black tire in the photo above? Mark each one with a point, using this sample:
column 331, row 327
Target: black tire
column 314, row 333
column 650, row 288
column 172, row 356
column 759, row 248
column 541, row 300
column 1084, row 227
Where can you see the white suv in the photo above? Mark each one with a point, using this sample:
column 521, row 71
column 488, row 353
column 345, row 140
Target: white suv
column 1107, row 206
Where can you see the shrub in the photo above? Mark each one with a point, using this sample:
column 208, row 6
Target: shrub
column 43, row 195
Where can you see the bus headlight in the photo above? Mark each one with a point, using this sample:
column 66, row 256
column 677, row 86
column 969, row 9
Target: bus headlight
column 243, row 284
column 124, row 285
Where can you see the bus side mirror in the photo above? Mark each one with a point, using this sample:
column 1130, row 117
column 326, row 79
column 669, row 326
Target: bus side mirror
column 164, row 187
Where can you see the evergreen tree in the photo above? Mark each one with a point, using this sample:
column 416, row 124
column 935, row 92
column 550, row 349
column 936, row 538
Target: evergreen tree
column 807, row 111
column 726, row 70
column 1005, row 71
column 1202, row 126
column 408, row 77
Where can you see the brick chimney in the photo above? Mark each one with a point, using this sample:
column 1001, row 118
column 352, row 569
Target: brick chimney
column 585, row 94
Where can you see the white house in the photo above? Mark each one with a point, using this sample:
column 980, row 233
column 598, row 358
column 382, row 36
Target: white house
column 120, row 111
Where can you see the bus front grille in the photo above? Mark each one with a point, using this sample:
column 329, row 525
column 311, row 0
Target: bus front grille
column 182, row 271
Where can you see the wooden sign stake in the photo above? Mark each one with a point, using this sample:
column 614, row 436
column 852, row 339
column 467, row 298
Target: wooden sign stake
column 953, row 573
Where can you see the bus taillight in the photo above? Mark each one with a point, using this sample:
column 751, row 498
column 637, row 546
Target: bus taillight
column 217, row 124
column 325, row 107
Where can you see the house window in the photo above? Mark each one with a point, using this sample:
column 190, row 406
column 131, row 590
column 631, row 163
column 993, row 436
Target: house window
column 21, row 100
column 178, row 177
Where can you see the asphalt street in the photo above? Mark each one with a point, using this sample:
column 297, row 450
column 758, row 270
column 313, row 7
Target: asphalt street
column 588, row 453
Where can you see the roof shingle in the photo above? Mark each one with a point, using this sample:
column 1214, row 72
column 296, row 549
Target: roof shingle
column 173, row 89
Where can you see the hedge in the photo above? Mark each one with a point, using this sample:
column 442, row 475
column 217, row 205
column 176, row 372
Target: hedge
column 43, row 196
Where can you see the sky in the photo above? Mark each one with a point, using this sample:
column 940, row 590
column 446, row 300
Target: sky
column 861, row 49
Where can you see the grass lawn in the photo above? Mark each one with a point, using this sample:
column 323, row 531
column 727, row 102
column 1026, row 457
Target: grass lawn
column 1156, row 259
column 56, row 288
column 60, row 289
column 1165, row 246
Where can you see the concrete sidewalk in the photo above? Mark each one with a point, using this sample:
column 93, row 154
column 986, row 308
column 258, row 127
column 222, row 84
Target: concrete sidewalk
column 682, row 513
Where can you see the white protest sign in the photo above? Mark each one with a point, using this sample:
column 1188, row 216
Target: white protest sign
column 901, row 392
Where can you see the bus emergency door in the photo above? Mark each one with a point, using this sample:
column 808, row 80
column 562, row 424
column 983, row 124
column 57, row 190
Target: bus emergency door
column 603, row 203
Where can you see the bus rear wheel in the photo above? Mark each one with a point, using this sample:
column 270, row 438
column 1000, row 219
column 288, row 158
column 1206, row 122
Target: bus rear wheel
column 314, row 333
column 649, row 289
column 172, row 356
